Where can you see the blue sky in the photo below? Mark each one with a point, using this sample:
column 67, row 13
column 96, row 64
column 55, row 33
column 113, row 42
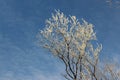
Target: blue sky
column 20, row 21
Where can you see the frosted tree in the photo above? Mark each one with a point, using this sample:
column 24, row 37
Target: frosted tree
column 74, row 43
column 113, row 3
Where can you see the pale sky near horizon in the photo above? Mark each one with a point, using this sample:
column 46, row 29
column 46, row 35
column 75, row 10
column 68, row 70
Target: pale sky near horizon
column 20, row 21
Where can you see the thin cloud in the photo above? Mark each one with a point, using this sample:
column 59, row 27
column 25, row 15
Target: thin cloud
column 35, row 75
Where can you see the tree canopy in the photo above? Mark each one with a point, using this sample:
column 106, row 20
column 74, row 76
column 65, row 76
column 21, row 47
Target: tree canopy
column 75, row 44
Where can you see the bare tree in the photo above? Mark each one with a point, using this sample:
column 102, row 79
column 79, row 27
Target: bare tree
column 74, row 43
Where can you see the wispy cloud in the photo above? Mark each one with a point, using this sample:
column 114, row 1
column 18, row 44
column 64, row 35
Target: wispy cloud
column 27, row 64
column 35, row 75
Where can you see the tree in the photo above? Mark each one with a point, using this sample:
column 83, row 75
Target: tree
column 74, row 43
column 113, row 3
